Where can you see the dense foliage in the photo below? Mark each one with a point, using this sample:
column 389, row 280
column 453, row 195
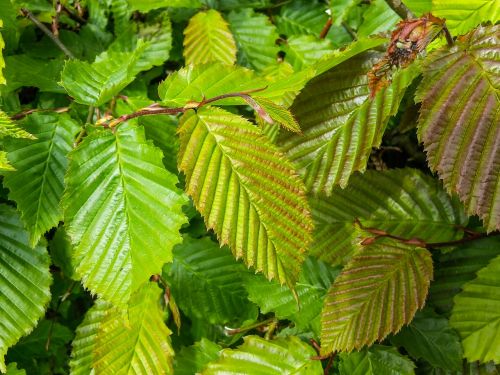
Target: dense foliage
column 252, row 186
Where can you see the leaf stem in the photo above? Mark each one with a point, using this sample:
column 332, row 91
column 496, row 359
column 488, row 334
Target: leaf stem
column 402, row 10
column 23, row 114
column 41, row 26
column 326, row 28
column 234, row 331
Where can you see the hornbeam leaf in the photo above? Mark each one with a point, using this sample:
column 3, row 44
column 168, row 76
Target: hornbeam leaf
column 191, row 360
column 207, row 282
column 13, row 370
column 2, row 61
column 37, row 184
column 302, row 51
column 246, row 190
column 459, row 120
column 402, row 202
column 9, row 129
column 301, row 17
column 377, row 360
column 277, row 357
column 340, row 123
column 476, row 315
column 123, row 211
column 278, row 113
column 135, row 341
column 207, row 38
column 377, row 292
column 24, row 290
column 4, row 162
column 255, row 37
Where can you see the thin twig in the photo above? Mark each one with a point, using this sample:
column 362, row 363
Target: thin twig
column 349, row 30
column 401, row 9
column 448, row 36
column 234, row 331
column 55, row 19
column 326, row 28
column 74, row 15
column 47, row 32
column 23, row 114
column 473, row 237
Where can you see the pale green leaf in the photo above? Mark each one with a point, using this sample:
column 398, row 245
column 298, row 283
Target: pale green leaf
column 24, row 291
column 8, row 128
column 207, row 282
column 129, row 234
column 193, row 359
column 314, row 281
column 277, row 357
column 84, row 344
column 12, row 369
column 378, row 291
column 145, row 6
column 377, row 360
column 340, row 124
column 476, row 315
column 135, row 341
column 279, row 114
column 255, row 37
column 2, row 61
column 459, row 120
column 246, row 190
column 430, row 337
column 37, row 184
column 4, row 162
column 301, row 17
column 402, row 202
column 207, row 38
column 302, row 51
column 377, row 18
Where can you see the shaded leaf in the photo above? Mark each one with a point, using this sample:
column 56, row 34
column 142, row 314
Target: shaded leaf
column 301, row 17
column 246, row 191
column 37, row 184
column 459, row 121
column 384, row 284
column 377, row 18
column 24, row 291
column 377, row 360
column 208, row 38
column 193, row 359
column 117, row 247
column 303, row 51
column 279, row 356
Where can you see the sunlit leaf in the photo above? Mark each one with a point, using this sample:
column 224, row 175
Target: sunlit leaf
column 8, row 128
column 302, row 51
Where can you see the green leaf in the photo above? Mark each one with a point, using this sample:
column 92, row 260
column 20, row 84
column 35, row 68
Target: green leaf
column 340, row 123
column 255, row 37
column 84, row 344
column 4, row 162
column 402, row 202
column 430, row 337
column 2, row 61
column 278, row 113
column 476, row 315
column 455, row 268
column 462, row 15
column 301, row 18
column 145, row 6
column 37, row 184
column 24, row 291
column 459, row 121
column 117, row 245
column 377, row 18
column 193, row 359
column 377, row 360
column 9, row 129
column 303, row 51
column 207, row 38
column 246, row 190
column 207, row 282
column 276, row 357
column 136, row 341
column 314, row 281
column 13, row 370
column 378, row 291
column 61, row 252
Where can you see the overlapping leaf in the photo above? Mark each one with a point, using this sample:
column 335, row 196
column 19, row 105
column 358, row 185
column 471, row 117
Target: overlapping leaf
column 9, row 129
column 377, row 292
column 255, row 37
column 277, row 357
column 246, row 190
column 135, row 342
column 377, row 18
column 340, row 123
column 302, row 51
column 37, row 184
column 402, row 202
column 116, row 185
column 476, row 315
column 377, row 360
column 4, row 162
column 24, row 290
column 459, row 120
column 207, row 282
column 193, row 359
column 208, row 38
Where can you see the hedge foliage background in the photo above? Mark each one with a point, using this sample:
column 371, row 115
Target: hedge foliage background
column 253, row 186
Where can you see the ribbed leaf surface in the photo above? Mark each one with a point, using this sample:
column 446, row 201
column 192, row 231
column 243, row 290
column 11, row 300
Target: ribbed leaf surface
column 340, row 124
column 2, row 61
column 277, row 357
column 460, row 120
column 377, row 292
column 207, row 282
column 255, row 37
column 24, row 281
column 378, row 360
column 122, row 211
column 246, row 190
column 9, row 129
column 476, row 315
column 453, row 269
column 84, row 343
column 4, row 162
column 193, row 359
column 377, row 18
column 136, row 341
column 302, row 51
column 207, row 38
column 37, row 184
column 301, row 17
column 402, row 202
